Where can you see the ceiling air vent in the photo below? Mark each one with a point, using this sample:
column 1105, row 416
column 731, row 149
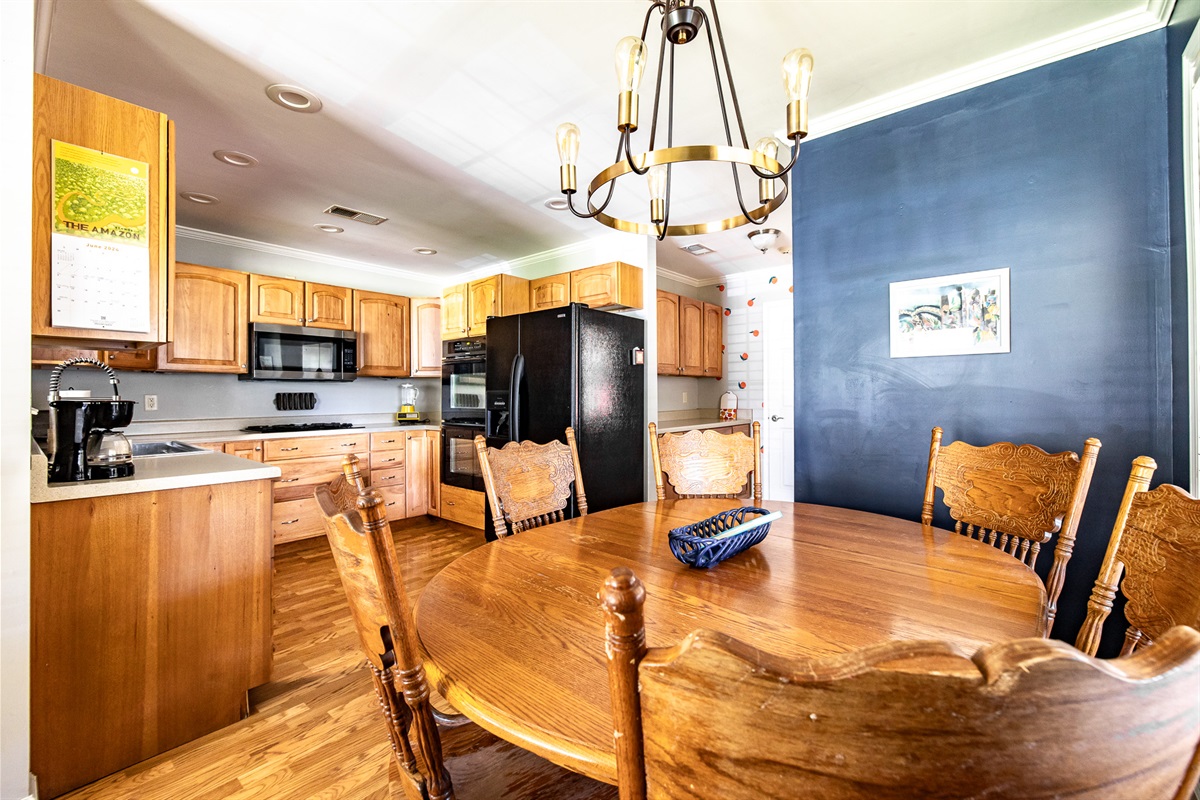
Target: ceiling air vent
column 357, row 216
column 697, row 249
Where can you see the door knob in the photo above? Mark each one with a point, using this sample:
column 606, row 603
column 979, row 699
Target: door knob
column 776, row 419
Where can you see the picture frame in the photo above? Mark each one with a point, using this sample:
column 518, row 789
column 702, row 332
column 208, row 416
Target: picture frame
column 962, row 314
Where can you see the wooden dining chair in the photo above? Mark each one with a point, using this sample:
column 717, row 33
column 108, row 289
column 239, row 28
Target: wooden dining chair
column 1014, row 497
column 528, row 484
column 707, row 463
column 1155, row 546
column 428, row 747
column 1029, row 718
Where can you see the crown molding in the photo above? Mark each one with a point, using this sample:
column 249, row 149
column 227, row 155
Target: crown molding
column 198, row 235
column 687, row 280
column 1090, row 37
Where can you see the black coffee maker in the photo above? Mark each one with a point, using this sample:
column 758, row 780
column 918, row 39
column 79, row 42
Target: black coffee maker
column 83, row 445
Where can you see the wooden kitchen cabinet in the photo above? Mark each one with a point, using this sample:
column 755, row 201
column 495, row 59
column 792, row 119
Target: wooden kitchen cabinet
column 144, row 360
column 454, row 311
column 426, row 337
column 285, row 301
column 306, row 462
column 668, row 333
column 553, row 291
column 691, row 342
column 383, row 334
column 70, row 114
column 209, row 320
column 712, row 358
column 497, row 296
column 690, row 335
column 466, row 306
column 150, row 618
column 608, row 286
column 464, row 506
column 422, row 483
column 252, row 450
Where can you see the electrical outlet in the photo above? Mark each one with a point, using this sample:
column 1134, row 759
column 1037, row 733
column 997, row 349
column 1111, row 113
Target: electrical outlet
column 685, row 397
column 150, row 402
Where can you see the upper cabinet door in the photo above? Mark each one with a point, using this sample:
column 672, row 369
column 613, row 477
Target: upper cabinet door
column 329, row 307
column 482, row 302
column 75, row 116
column 608, row 286
column 553, row 291
column 691, row 326
column 668, row 333
column 383, row 331
column 426, row 337
column 209, row 330
column 711, row 357
column 277, row 300
column 454, row 311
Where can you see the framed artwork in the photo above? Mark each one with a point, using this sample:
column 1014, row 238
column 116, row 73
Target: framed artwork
column 964, row 314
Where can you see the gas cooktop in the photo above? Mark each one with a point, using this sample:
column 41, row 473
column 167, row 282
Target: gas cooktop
column 292, row 427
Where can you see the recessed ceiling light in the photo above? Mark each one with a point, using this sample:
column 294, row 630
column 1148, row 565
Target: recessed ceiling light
column 235, row 159
column 329, row 228
column 294, row 98
column 199, row 197
column 424, row 251
column 556, row 204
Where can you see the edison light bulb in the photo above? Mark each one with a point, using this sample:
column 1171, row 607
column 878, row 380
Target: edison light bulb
column 567, row 137
column 797, row 79
column 797, row 74
column 656, row 181
column 630, row 59
column 769, row 147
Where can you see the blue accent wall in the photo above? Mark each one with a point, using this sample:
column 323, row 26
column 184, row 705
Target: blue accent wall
column 1060, row 174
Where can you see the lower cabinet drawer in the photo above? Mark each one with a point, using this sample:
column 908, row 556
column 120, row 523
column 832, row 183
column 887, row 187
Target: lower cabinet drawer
column 393, row 501
column 463, row 506
column 296, row 519
column 388, row 477
column 299, row 477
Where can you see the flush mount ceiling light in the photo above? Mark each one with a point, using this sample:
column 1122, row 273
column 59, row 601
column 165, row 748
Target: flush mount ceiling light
column 329, row 228
column 682, row 21
column 425, row 251
column 199, row 197
column 556, row 204
column 764, row 238
column 294, row 98
column 235, row 159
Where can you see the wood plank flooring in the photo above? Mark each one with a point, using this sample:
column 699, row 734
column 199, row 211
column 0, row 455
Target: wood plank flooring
column 314, row 731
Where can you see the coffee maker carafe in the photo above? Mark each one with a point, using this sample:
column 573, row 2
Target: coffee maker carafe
column 83, row 445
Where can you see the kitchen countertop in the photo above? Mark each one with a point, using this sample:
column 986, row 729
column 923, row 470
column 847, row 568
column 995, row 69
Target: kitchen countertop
column 697, row 423
column 236, row 435
column 150, row 473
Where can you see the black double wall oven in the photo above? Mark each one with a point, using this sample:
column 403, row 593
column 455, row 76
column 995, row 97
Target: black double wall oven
column 464, row 373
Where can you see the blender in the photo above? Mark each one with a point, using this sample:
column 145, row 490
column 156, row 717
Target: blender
column 408, row 404
column 82, row 443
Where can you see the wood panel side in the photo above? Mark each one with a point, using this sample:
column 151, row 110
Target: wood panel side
column 151, row 618
column 77, row 116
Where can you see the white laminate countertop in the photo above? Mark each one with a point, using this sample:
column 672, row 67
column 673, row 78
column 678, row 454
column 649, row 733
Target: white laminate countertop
column 697, row 423
column 238, row 435
column 150, row 474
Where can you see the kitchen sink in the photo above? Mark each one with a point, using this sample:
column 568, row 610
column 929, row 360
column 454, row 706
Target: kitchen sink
column 164, row 449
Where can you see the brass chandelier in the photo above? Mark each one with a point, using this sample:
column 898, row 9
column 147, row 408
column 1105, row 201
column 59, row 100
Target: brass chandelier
column 682, row 21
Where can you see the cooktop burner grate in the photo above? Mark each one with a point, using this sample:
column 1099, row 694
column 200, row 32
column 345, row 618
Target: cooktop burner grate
column 299, row 426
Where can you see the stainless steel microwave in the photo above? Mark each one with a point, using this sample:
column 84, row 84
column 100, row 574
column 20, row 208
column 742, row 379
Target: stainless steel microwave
column 294, row 353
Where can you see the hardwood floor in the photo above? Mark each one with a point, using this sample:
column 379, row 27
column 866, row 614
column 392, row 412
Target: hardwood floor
column 314, row 731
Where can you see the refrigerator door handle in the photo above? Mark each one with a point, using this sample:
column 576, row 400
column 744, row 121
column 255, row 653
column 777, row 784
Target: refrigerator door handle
column 514, row 398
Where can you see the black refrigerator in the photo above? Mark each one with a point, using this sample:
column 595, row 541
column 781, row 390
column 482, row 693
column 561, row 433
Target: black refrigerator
column 578, row 367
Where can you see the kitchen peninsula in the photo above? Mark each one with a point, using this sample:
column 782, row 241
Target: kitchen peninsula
column 151, row 609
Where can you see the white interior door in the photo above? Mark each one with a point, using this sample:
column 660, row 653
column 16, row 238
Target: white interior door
column 779, row 420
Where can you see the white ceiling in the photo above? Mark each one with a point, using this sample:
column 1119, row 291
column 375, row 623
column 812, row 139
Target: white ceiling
column 440, row 114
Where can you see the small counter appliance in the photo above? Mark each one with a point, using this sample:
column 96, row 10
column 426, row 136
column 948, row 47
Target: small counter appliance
column 82, row 443
column 408, row 404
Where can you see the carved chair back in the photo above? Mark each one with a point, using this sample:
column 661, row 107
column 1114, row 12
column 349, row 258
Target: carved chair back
column 528, row 484
column 1014, row 497
column 1030, row 718
column 707, row 463
column 1155, row 544
column 360, row 537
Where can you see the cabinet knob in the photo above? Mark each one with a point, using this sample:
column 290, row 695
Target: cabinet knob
column 243, row 366
column 257, row 449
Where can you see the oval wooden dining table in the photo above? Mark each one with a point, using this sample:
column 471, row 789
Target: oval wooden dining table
column 514, row 635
